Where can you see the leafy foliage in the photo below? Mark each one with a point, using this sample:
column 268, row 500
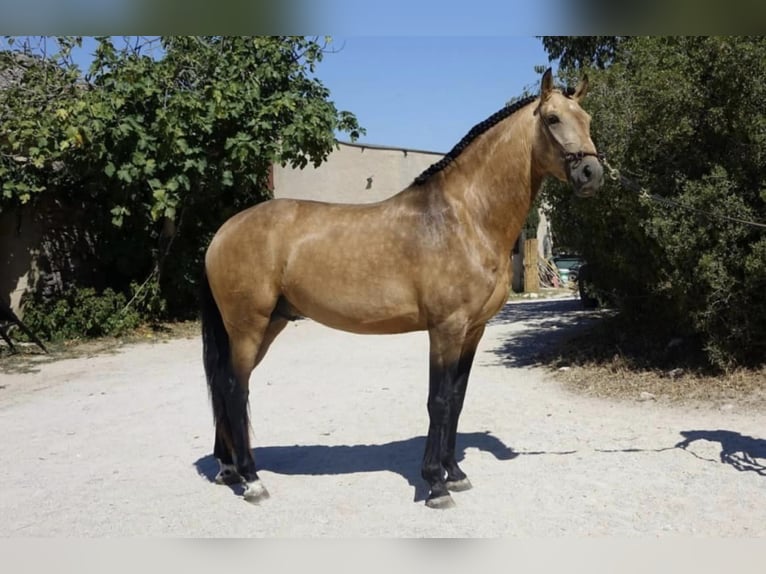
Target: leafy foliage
column 78, row 313
column 684, row 118
column 160, row 142
column 581, row 51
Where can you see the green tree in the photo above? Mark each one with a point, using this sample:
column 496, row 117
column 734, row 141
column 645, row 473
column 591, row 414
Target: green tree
column 581, row 51
column 160, row 142
column 682, row 116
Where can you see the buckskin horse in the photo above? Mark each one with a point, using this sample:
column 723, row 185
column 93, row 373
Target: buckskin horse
column 434, row 257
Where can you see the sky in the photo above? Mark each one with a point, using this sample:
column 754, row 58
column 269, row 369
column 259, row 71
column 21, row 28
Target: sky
column 422, row 92
column 427, row 92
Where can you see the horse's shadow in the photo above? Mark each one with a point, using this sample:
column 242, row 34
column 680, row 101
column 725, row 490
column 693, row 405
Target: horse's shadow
column 742, row 452
column 402, row 457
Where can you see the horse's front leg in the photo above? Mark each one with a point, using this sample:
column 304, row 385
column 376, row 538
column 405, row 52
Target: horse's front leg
column 443, row 370
column 456, row 479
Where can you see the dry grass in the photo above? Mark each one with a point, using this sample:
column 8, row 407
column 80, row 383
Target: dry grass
column 611, row 360
column 744, row 387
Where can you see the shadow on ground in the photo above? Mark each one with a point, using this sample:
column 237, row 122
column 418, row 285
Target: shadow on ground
column 742, row 452
column 402, row 457
column 542, row 324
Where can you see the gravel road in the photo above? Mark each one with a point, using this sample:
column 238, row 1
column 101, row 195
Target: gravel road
column 120, row 445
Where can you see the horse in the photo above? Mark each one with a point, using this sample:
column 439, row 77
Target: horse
column 434, row 257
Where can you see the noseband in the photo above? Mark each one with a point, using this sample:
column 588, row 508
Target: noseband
column 577, row 156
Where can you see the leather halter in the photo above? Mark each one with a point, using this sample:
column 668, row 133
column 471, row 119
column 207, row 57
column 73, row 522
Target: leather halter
column 568, row 157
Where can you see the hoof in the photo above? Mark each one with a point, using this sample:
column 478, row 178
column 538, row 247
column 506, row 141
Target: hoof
column 228, row 476
column 255, row 492
column 459, row 485
column 441, row 502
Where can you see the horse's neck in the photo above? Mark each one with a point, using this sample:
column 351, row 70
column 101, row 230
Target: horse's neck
column 496, row 182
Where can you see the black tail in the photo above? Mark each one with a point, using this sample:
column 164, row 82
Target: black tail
column 228, row 398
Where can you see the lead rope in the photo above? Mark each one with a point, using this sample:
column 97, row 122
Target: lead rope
column 615, row 175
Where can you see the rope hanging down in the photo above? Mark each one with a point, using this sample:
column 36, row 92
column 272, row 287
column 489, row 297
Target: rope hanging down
column 628, row 183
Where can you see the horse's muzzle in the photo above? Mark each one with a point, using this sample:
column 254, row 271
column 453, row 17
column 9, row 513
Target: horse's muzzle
column 586, row 176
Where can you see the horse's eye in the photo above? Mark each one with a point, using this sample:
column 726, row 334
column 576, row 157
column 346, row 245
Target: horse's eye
column 553, row 119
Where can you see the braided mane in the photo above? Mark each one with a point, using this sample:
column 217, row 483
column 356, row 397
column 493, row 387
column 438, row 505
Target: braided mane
column 475, row 132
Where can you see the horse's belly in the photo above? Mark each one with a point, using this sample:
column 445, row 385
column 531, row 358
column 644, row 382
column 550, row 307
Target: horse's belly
column 382, row 310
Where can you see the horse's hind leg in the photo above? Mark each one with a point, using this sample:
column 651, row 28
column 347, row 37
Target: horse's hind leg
column 246, row 353
column 227, row 472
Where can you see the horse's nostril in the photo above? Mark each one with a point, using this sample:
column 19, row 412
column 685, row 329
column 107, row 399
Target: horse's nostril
column 586, row 171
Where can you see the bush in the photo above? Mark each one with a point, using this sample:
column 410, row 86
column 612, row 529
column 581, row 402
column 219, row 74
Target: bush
column 80, row 312
column 684, row 118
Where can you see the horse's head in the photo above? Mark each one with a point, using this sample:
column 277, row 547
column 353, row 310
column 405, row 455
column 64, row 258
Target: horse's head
column 568, row 152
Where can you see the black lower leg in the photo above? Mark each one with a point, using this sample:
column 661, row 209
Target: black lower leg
column 221, row 449
column 438, row 411
column 449, row 461
column 454, row 474
column 236, row 406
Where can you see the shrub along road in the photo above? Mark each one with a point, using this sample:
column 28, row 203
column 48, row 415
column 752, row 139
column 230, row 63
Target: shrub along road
column 120, row 444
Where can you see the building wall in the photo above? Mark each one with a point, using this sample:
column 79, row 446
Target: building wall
column 354, row 173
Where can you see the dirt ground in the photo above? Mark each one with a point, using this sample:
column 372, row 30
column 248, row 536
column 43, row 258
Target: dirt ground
column 118, row 443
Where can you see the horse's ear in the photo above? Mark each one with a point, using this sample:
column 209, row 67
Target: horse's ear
column 546, row 86
column 582, row 89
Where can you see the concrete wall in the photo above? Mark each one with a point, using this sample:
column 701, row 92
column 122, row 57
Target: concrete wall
column 354, row 173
